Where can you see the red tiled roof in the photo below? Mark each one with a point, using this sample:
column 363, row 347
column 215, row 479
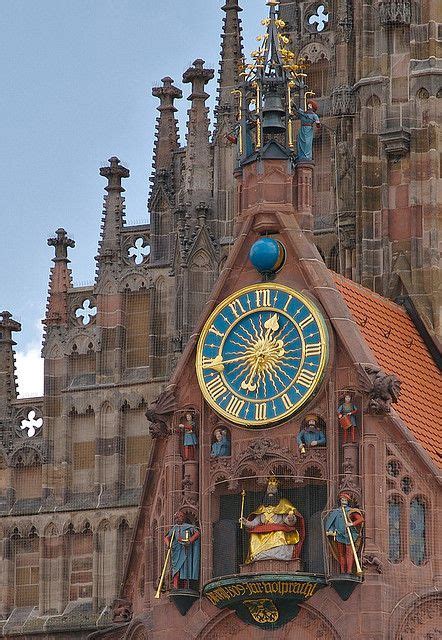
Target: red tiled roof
column 399, row 349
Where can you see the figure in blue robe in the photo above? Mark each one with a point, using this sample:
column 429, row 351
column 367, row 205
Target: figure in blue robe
column 308, row 120
column 221, row 446
column 185, row 555
column 310, row 436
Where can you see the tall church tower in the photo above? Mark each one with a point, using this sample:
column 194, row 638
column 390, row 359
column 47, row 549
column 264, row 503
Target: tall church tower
column 375, row 78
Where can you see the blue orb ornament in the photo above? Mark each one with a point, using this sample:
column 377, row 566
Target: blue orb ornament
column 267, row 255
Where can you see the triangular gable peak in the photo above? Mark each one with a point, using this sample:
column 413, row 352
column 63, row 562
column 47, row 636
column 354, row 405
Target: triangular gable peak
column 197, row 483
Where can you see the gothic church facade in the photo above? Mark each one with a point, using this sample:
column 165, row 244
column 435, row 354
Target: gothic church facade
column 73, row 462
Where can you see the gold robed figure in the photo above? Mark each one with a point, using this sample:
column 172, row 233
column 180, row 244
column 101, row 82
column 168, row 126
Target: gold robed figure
column 276, row 528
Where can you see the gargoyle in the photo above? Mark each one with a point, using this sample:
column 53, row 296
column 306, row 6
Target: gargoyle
column 383, row 388
column 121, row 610
column 158, row 413
column 370, row 560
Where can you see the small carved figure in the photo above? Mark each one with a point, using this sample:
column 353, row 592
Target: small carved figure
column 339, row 525
column 121, row 610
column 190, row 440
column 276, row 528
column 185, row 554
column 347, row 411
column 311, row 435
column 308, row 120
column 221, row 445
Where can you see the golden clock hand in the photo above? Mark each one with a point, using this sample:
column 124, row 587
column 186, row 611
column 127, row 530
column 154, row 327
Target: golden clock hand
column 247, row 384
column 218, row 363
column 271, row 325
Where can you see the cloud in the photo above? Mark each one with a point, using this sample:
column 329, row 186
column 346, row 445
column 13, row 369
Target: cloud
column 29, row 371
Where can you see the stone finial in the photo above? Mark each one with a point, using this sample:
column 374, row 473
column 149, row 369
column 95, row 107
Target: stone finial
column 113, row 216
column 231, row 61
column 61, row 242
column 166, row 142
column 7, row 326
column 114, row 173
column 59, row 280
column 197, row 177
column 198, row 76
column 8, row 384
column 167, row 94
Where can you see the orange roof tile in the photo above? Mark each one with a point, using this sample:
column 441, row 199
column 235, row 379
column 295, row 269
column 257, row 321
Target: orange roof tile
column 399, row 349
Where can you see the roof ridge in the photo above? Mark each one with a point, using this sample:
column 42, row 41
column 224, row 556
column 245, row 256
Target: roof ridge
column 391, row 303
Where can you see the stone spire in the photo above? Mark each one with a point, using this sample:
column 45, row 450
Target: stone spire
column 59, row 280
column 226, row 112
column 231, row 62
column 8, row 384
column 113, row 214
column 198, row 152
column 166, row 142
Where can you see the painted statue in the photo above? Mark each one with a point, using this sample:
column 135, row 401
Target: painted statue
column 347, row 411
column 221, row 447
column 276, row 528
column 309, row 119
column 311, row 435
column 185, row 552
column 338, row 525
column 190, row 440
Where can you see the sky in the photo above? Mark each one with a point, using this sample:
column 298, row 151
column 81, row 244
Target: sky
column 76, row 89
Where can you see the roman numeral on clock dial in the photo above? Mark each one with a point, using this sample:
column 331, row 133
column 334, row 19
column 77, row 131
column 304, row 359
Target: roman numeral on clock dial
column 235, row 405
column 313, row 349
column 306, row 378
column 237, row 308
column 304, row 323
column 216, row 387
column 263, row 298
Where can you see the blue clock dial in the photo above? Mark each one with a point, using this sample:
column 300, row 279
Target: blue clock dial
column 262, row 355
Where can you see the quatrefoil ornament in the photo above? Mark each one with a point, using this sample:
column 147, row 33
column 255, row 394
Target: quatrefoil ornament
column 139, row 251
column 31, row 424
column 86, row 312
column 320, row 18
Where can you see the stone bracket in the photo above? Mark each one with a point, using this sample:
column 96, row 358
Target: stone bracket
column 396, row 142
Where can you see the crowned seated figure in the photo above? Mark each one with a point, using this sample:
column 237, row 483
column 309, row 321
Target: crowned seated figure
column 276, row 528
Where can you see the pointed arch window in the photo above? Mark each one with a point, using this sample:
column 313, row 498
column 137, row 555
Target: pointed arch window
column 395, row 529
column 26, row 569
column 160, row 329
column 417, row 533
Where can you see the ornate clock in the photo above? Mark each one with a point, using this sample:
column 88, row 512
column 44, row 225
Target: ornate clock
column 262, row 355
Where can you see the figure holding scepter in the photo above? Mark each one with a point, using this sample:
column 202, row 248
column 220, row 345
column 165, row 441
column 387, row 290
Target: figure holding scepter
column 184, row 541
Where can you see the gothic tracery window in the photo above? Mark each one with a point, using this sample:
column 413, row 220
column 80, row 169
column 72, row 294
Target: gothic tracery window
column 417, row 531
column 395, row 532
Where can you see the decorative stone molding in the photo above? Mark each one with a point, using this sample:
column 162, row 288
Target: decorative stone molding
column 343, row 101
column 263, row 448
column 396, row 142
column 422, row 620
column 395, row 12
column 315, row 51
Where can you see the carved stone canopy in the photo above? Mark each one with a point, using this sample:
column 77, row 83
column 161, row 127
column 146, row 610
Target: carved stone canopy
column 395, row 12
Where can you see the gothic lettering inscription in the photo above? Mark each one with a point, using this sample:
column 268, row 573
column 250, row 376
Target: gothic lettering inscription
column 222, row 596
